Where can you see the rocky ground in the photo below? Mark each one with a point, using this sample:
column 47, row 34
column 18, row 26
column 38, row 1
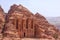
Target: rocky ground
column 36, row 39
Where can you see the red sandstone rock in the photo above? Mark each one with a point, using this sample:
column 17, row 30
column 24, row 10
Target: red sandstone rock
column 21, row 23
column 43, row 24
column 2, row 22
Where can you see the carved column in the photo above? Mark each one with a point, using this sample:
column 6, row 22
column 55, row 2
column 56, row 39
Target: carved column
column 30, row 28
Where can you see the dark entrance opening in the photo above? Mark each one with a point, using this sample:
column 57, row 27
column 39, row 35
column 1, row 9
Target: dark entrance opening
column 24, row 34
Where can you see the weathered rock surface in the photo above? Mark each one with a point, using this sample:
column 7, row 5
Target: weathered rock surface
column 45, row 29
column 19, row 23
column 2, row 22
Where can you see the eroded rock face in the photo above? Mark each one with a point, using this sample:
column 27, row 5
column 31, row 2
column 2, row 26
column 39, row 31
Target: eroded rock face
column 2, row 22
column 19, row 22
column 45, row 29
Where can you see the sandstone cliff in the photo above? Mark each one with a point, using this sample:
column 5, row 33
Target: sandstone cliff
column 19, row 22
column 2, row 22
